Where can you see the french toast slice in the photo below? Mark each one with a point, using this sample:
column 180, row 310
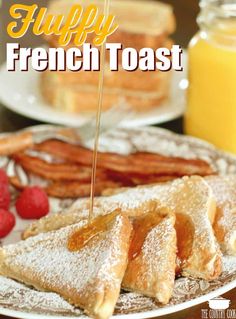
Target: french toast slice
column 83, row 98
column 190, row 198
column 89, row 277
column 152, row 256
column 194, row 205
column 224, row 190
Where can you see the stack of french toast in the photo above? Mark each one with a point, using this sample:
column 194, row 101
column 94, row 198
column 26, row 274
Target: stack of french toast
column 138, row 239
column 141, row 24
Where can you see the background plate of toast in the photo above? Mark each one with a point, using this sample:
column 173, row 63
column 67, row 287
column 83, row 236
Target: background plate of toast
column 20, row 92
column 22, row 301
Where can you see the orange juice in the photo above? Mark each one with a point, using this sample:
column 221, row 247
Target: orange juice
column 211, row 109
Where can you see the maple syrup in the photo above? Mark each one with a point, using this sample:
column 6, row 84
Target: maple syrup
column 141, row 227
column 81, row 237
column 98, row 118
column 185, row 235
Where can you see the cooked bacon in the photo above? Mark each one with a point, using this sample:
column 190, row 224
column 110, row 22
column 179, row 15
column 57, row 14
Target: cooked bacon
column 66, row 151
column 71, row 178
column 130, row 180
column 73, row 189
column 153, row 157
column 77, row 190
column 15, row 143
column 146, row 163
column 174, row 167
column 54, row 171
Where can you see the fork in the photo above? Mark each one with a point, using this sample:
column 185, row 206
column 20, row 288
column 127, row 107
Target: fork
column 12, row 143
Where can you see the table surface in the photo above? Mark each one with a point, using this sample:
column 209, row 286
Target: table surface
column 186, row 11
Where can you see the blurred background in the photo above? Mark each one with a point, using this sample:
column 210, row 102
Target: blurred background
column 185, row 12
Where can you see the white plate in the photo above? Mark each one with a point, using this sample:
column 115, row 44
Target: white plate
column 17, row 300
column 19, row 92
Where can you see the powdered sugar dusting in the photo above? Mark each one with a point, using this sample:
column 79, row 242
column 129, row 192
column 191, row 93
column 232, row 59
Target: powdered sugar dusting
column 17, row 296
column 190, row 196
column 229, row 264
column 128, row 201
column 49, row 264
column 224, row 189
column 158, row 251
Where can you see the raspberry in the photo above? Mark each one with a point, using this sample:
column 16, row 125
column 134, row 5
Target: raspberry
column 33, row 203
column 4, row 191
column 3, row 177
column 7, row 223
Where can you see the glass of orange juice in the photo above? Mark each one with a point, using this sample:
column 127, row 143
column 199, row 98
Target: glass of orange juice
column 211, row 103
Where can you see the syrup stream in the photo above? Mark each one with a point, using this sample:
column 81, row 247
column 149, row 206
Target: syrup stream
column 98, row 118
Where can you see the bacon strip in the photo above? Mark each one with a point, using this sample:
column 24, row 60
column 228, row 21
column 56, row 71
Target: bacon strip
column 54, row 171
column 71, row 189
column 146, row 163
column 78, row 190
column 138, row 179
